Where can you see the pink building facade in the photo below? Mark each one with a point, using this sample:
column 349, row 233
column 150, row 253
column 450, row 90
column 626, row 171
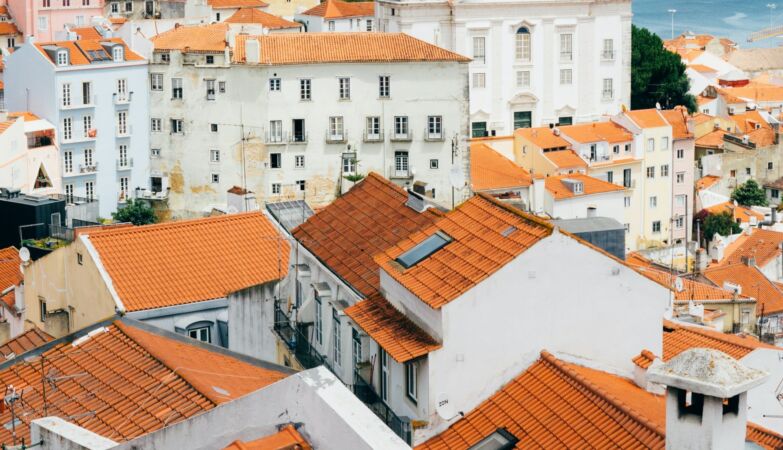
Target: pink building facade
column 43, row 19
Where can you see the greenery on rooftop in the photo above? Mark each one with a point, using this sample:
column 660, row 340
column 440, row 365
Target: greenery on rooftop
column 749, row 193
column 137, row 212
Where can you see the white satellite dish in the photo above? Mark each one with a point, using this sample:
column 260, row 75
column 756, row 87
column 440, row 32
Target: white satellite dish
column 24, row 254
column 457, row 177
column 444, row 408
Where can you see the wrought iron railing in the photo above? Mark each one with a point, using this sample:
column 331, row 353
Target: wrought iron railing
column 366, row 393
column 296, row 341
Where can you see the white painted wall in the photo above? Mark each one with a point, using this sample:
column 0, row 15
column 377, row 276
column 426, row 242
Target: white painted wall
column 318, row 24
column 251, row 318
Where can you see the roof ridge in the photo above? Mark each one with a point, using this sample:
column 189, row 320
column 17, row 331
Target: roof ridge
column 707, row 335
column 594, row 389
column 515, row 211
column 174, row 224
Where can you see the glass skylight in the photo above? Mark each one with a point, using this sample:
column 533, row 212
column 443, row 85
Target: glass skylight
column 424, row 249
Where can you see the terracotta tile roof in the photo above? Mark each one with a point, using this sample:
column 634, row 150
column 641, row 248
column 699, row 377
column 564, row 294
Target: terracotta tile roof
column 486, row 235
column 565, row 159
column 647, row 118
column 402, row 339
column 489, row 170
column 188, row 261
column 690, row 55
column 543, row 137
column 700, row 118
column 198, row 38
column 8, row 28
column 729, row 96
column 713, row 139
column 678, row 337
column 777, row 184
column 87, row 33
column 555, row 404
column 691, row 289
column 559, row 190
column 753, row 283
column 706, row 182
column 9, row 298
column 644, row 359
column 314, row 48
column 230, row 4
column 678, row 119
column 597, row 132
column 78, row 50
column 757, row 92
column 118, row 20
column 252, row 15
column 28, row 116
column 701, row 68
column 336, row 9
column 29, row 340
column 740, row 213
column 749, row 120
column 763, row 245
column 635, row 259
column 702, row 100
column 111, row 382
column 368, row 219
column 4, row 10
column 285, row 439
column 763, row 137
column 10, row 275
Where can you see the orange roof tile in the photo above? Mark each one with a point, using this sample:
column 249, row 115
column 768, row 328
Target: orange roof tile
column 729, row 96
column 252, row 15
column 285, row 439
column 486, row 234
column 28, row 116
column 713, row 139
column 757, row 92
column 644, row 359
column 554, row 404
column 559, row 190
column 701, row 100
column 679, row 337
column 678, row 119
column 29, row 340
column 402, row 339
column 4, row 10
column 543, row 137
column 700, row 118
column 314, row 48
column 87, row 33
column 10, row 275
column 198, row 38
column 230, row 4
column 706, row 182
column 597, row 132
column 647, row 118
column 763, row 245
column 753, row 282
column 565, row 159
column 336, row 9
column 690, row 55
column 78, row 50
column 368, row 219
column 489, row 170
column 635, row 259
column 763, row 137
column 749, row 121
column 111, row 382
column 188, row 261
column 118, row 20
column 8, row 28
column 740, row 213
column 691, row 289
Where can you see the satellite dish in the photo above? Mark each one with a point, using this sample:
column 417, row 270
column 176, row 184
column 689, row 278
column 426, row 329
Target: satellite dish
column 24, row 254
column 444, row 408
column 457, row 178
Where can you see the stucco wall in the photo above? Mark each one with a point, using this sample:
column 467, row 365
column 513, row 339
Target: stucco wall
column 251, row 317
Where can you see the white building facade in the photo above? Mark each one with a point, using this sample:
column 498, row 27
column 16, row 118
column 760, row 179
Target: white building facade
column 534, row 62
column 99, row 104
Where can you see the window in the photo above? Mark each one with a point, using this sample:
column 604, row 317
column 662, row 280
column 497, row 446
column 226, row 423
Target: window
column 122, row 123
column 733, row 173
column 651, row 145
column 411, row 377
column 610, row 176
column 66, row 100
column 66, row 2
column 653, row 202
column 203, row 334
column 501, row 439
column 304, row 89
column 214, row 156
column 523, row 78
column 774, row 193
column 384, row 86
column 608, row 52
column 680, row 153
column 434, row 164
column 210, row 89
column 301, row 184
column 67, row 129
column 89, row 190
column 68, row 162
column 356, row 342
column 423, row 249
column 565, row 76
column 331, row 25
column 680, row 199
column 627, row 202
column 123, row 153
column 176, row 126
column 344, row 88
column 769, row 165
column 680, row 177
column 128, row 6
column 385, row 373
column 401, row 126
column 336, row 131
column 210, row 59
column 274, row 84
column 215, row 178
column 88, row 157
column 156, row 81
column 275, row 131
column 43, row 25
column 42, row 301
column 299, row 130
column 87, row 122
column 337, row 352
column 299, row 161
column 373, row 127
column 478, row 129
column 122, row 90
column 627, row 228
column 566, row 120
column 222, row 87
column 117, row 53
column 479, row 49
column 275, row 160
column 11, row 42
column 435, row 127
column 115, row 7
column 522, row 44
column 46, row 3
column 369, row 25
column 154, row 153
column 627, row 148
column 349, row 162
column 124, row 187
column 656, row 226
column 608, row 89
column 275, row 188
column 69, row 193
column 213, row 127
column 165, row 58
column 401, row 163
column 523, row 119
column 566, row 47
column 747, row 171
column 665, row 143
column 665, row 170
column 616, row 149
column 479, row 79
column 176, row 88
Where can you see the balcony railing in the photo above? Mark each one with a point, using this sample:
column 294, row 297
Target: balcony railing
column 607, row 55
column 434, row 136
column 123, row 132
column 275, row 138
column 405, row 136
column 375, row 136
column 77, row 137
column 366, row 393
column 125, row 164
column 298, row 138
column 72, row 104
column 296, row 341
column 122, row 98
column 88, row 168
column 336, row 138
column 394, row 172
column 607, row 95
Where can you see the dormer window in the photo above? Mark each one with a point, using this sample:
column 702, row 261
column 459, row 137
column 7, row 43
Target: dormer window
column 62, row 57
column 424, row 249
column 118, row 53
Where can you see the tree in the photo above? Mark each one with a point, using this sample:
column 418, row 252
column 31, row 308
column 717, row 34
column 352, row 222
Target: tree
column 657, row 75
column 749, row 194
column 136, row 212
column 722, row 224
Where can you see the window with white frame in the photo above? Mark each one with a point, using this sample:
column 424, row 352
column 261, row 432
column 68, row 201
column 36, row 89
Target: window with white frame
column 43, row 25
column 123, row 155
column 124, row 188
column 608, row 50
column 156, row 125
column 337, row 347
column 319, row 321
column 215, row 178
column 566, row 47
column 607, row 91
column 117, row 53
column 373, row 127
column 434, row 164
column 411, row 380
column 336, row 131
column 656, row 226
column 344, row 84
column 122, row 90
column 176, row 88
column 11, row 42
column 653, row 201
column 122, row 123
column 523, row 78
column 210, row 89
column 650, row 145
column 680, row 199
column 222, row 87
column 156, row 81
column 66, row 99
column 177, row 126
column 680, row 177
column 479, row 80
column 275, row 160
column 349, row 162
column 276, row 188
column 651, row 172
column 301, row 184
column 522, row 44
column 69, row 193
column 679, row 221
column 68, row 162
column 384, row 86
column 665, row 170
column 435, row 127
column 88, row 157
column 369, row 25
column 67, row 129
column 203, row 334
column 214, row 156
column 87, row 123
column 664, row 143
column 275, row 131
column 299, row 162
column 154, row 153
column 401, row 126
column 274, row 84
column 331, row 25
column 565, row 76
column 479, row 49
column 305, row 92
column 89, row 190
column 680, row 153
column 401, row 163
column 115, row 7
column 616, row 149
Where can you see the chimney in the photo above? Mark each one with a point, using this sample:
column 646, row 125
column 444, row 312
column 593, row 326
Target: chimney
column 252, row 51
column 706, row 399
column 416, row 202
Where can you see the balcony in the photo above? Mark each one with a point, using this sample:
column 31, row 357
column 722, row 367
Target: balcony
column 121, row 99
column 400, row 174
column 275, row 138
column 365, row 392
column 431, row 136
column 125, row 164
column 566, row 56
column 336, row 138
column 405, row 136
column 88, row 168
column 607, row 55
column 373, row 136
column 124, row 132
column 150, row 195
column 77, row 138
column 296, row 341
column 297, row 138
column 37, row 141
column 73, row 105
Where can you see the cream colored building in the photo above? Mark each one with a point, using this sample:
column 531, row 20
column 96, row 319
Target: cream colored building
column 29, row 157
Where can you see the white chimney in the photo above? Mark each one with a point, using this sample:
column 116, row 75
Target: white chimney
column 252, row 51
column 706, row 399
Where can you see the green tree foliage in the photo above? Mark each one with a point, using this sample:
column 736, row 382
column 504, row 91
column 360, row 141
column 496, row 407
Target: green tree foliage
column 657, row 75
column 749, row 194
column 136, row 212
column 723, row 224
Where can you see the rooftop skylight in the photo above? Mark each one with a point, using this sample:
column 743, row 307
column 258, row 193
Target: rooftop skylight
column 424, row 249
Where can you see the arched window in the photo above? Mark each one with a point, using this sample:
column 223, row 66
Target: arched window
column 523, row 44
